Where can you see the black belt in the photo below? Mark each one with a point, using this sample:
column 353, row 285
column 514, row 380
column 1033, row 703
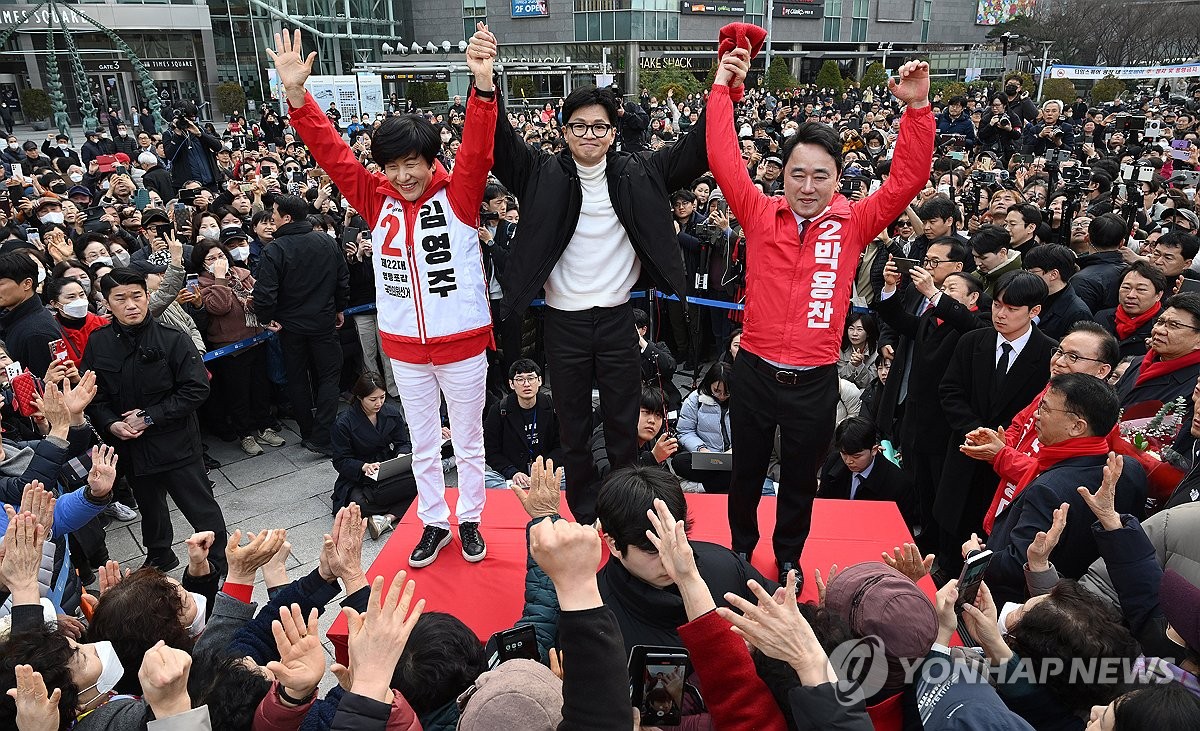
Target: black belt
column 783, row 376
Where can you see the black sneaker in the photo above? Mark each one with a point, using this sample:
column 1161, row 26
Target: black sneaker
column 433, row 540
column 787, row 566
column 164, row 563
column 473, row 547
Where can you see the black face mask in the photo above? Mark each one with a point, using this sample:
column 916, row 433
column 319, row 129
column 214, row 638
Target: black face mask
column 1010, row 90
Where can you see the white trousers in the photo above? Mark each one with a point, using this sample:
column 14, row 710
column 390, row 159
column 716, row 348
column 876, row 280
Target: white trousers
column 464, row 385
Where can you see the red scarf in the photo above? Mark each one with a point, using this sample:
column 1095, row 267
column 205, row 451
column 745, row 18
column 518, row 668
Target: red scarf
column 1049, row 455
column 1152, row 368
column 1127, row 325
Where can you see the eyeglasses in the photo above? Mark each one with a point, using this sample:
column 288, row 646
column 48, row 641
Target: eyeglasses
column 1042, row 408
column 1072, row 358
column 931, row 263
column 579, row 129
column 1175, row 325
column 526, row 380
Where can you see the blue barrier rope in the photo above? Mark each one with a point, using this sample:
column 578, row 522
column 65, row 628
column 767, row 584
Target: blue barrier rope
column 359, row 309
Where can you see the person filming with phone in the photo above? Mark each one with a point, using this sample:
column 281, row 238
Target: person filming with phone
column 191, row 152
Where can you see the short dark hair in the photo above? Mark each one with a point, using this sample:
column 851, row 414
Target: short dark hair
column 640, row 318
column 1029, row 213
column 1188, row 302
column 815, row 133
column 625, row 497
column 293, row 206
column 1051, row 257
column 1145, row 269
column 1089, row 398
column 586, row 96
column 973, row 285
column 718, row 372
column 651, row 400
column 1108, row 232
column 1187, row 244
column 231, row 690
column 1110, row 349
column 17, row 266
column 493, row 191
column 1102, row 180
column 939, row 206
column 54, row 287
column 855, row 434
column 441, row 659
column 523, row 365
column 958, row 99
column 403, row 136
column 990, row 239
column 1157, row 706
column 120, row 276
column 959, row 251
column 683, row 195
column 47, row 650
column 1020, row 289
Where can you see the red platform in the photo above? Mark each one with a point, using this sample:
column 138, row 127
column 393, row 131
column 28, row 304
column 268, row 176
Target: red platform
column 489, row 596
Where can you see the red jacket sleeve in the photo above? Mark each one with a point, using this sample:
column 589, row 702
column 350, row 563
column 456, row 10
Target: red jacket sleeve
column 272, row 715
column 1009, row 463
column 911, row 163
column 337, row 159
column 747, row 202
column 736, row 697
column 474, row 159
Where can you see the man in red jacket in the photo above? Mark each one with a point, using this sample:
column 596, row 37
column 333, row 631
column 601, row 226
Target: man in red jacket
column 802, row 250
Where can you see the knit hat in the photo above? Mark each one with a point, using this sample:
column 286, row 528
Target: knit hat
column 743, row 35
column 876, row 599
column 1180, row 602
column 518, row 694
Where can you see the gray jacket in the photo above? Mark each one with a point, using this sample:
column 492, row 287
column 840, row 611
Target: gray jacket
column 1175, row 534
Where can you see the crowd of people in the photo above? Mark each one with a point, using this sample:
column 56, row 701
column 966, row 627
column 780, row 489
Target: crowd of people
column 955, row 305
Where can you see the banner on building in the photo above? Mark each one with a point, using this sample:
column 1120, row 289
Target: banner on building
column 734, row 7
column 1124, row 72
column 370, row 93
column 803, row 9
column 995, row 12
column 529, row 8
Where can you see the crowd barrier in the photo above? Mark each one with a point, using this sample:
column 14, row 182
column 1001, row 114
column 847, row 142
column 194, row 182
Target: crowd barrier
column 264, row 336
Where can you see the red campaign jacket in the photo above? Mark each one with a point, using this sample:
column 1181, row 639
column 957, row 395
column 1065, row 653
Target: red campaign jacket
column 77, row 338
column 1017, row 455
column 798, row 293
column 430, row 286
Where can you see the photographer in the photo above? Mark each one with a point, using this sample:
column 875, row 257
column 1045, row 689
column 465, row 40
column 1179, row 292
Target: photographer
column 999, row 129
column 191, row 151
column 1054, row 132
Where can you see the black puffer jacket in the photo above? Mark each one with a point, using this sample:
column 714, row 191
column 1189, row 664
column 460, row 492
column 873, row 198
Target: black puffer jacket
column 303, row 280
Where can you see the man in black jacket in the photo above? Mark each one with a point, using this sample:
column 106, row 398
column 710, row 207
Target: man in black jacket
column 632, row 121
column 95, row 146
column 25, row 324
column 156, row 177
column 151, row 380
column 191, row 151
column 1100, row 272
column 302, row 287
column 519, row 429
column 857, row 471
column 1055, row 264
column 593, row 220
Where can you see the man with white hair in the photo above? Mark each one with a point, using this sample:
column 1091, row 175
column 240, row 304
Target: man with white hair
column 156, row 177
column 1052, row 132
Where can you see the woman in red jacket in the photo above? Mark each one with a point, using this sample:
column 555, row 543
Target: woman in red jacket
column 69, row 302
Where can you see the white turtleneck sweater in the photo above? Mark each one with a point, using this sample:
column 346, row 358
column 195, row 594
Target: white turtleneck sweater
column 599, row 266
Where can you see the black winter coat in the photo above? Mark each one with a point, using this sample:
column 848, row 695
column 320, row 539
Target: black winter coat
column 356, row 441
column 1135, row 344
column 175, row 148
column 303, row 280
column 1060, row 312
column 156, row 368
column 27, row 330
column 1098, row 279
column 1164, row 388
column 504, row 442
column 551, row 197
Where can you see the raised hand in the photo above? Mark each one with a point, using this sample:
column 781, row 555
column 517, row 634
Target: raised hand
column 983, row 444
column 376, row 639
column 198, row 547
column 568, row 553
column 733, row 67
column 39, row 501
column 1038, row 553
column 37, row 710
column 670, row 539
column 110, row 575
column 544, row 497
column 23, row 541
column 907, row 560
column 823, row 584
column 78, row 397
column 164, row 675
column 341, row 552
column 482, row 51
column 104, row 470
column 1103, row 502
column 291, row 65
column 913, row 86
column 301, row 661
column 245, row 561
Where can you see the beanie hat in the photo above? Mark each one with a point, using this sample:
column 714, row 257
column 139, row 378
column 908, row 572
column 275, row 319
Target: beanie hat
column 519, row 693
column 873, row 598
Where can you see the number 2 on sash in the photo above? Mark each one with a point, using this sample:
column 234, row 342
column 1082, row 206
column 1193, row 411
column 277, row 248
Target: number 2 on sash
column 393, row 229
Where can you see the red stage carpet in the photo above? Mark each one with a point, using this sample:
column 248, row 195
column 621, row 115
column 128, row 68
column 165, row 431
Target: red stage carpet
column 489, row 595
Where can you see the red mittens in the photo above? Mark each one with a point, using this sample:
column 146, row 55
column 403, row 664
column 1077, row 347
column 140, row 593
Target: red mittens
column 745, row 35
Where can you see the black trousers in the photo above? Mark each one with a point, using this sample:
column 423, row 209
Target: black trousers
column 805, row 415
column 593, row 346
column 241, row 386
column 314, row 365
column 188, row 486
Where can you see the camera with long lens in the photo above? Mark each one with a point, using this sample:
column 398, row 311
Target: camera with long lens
column 1075, row 175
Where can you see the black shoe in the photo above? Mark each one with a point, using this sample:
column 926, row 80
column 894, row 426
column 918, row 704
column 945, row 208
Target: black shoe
column 210, row 463
column 320, row 449
column 164, row 564
column 787, row 566
column 473, row 547
column 433, row 540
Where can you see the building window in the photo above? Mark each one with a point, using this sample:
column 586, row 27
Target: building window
column 833, row 20
column 474, row 11
column 926, row 13
column 858, row 26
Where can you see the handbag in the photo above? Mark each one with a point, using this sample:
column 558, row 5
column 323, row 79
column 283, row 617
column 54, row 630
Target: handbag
column 392, row 490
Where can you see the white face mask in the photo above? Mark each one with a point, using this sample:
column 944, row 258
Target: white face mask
column 227, row 145
column 105, row 260
column 14, row 146
column 138, row 174
column 122, row 258
column 41, row 276
column 212, row 234
column 105, row 185
column 199, row 621
column 76, row 308
column 123, row 132
column 53, row 217
column 111, row 669
column 105, row 135
column 76, row 177
column 240, row 253
column 86, row 284
column 63, row 146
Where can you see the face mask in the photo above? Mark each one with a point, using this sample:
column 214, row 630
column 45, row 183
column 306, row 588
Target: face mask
column 105, row 185
column 41, row 276
column 198, row 623
column 63, row 146
column 86, row 284
column 13, row 146
column 227, row 145
column 240, row 253
column 1010, row 90
column 445, row 138
column 111, row 669
column 122, row 258
column 212, row 234
column 105, row 260
column 76, row 309
column 51, row 217
column 1005, row 612
column 123, row 132
column 874, row 150
column 138, row 173
column 76, row 177
column 104, row 135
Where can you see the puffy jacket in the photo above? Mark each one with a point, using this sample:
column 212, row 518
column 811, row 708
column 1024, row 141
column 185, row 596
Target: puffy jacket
column 704, row 422
column 1098, row 279
column 432, row 296
column 960, row 126
column 1175, row 535
column 551, row 197
column 227, row 321
column 798, row 292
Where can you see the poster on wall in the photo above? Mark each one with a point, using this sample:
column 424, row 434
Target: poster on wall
column 370, row 93
column 529, row 9
column 995, row 12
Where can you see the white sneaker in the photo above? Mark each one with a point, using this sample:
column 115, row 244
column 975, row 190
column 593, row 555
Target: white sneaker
column 690, row 486
column 270, row 437
column 121, row 512
column 250, row 446
column 377, row 525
